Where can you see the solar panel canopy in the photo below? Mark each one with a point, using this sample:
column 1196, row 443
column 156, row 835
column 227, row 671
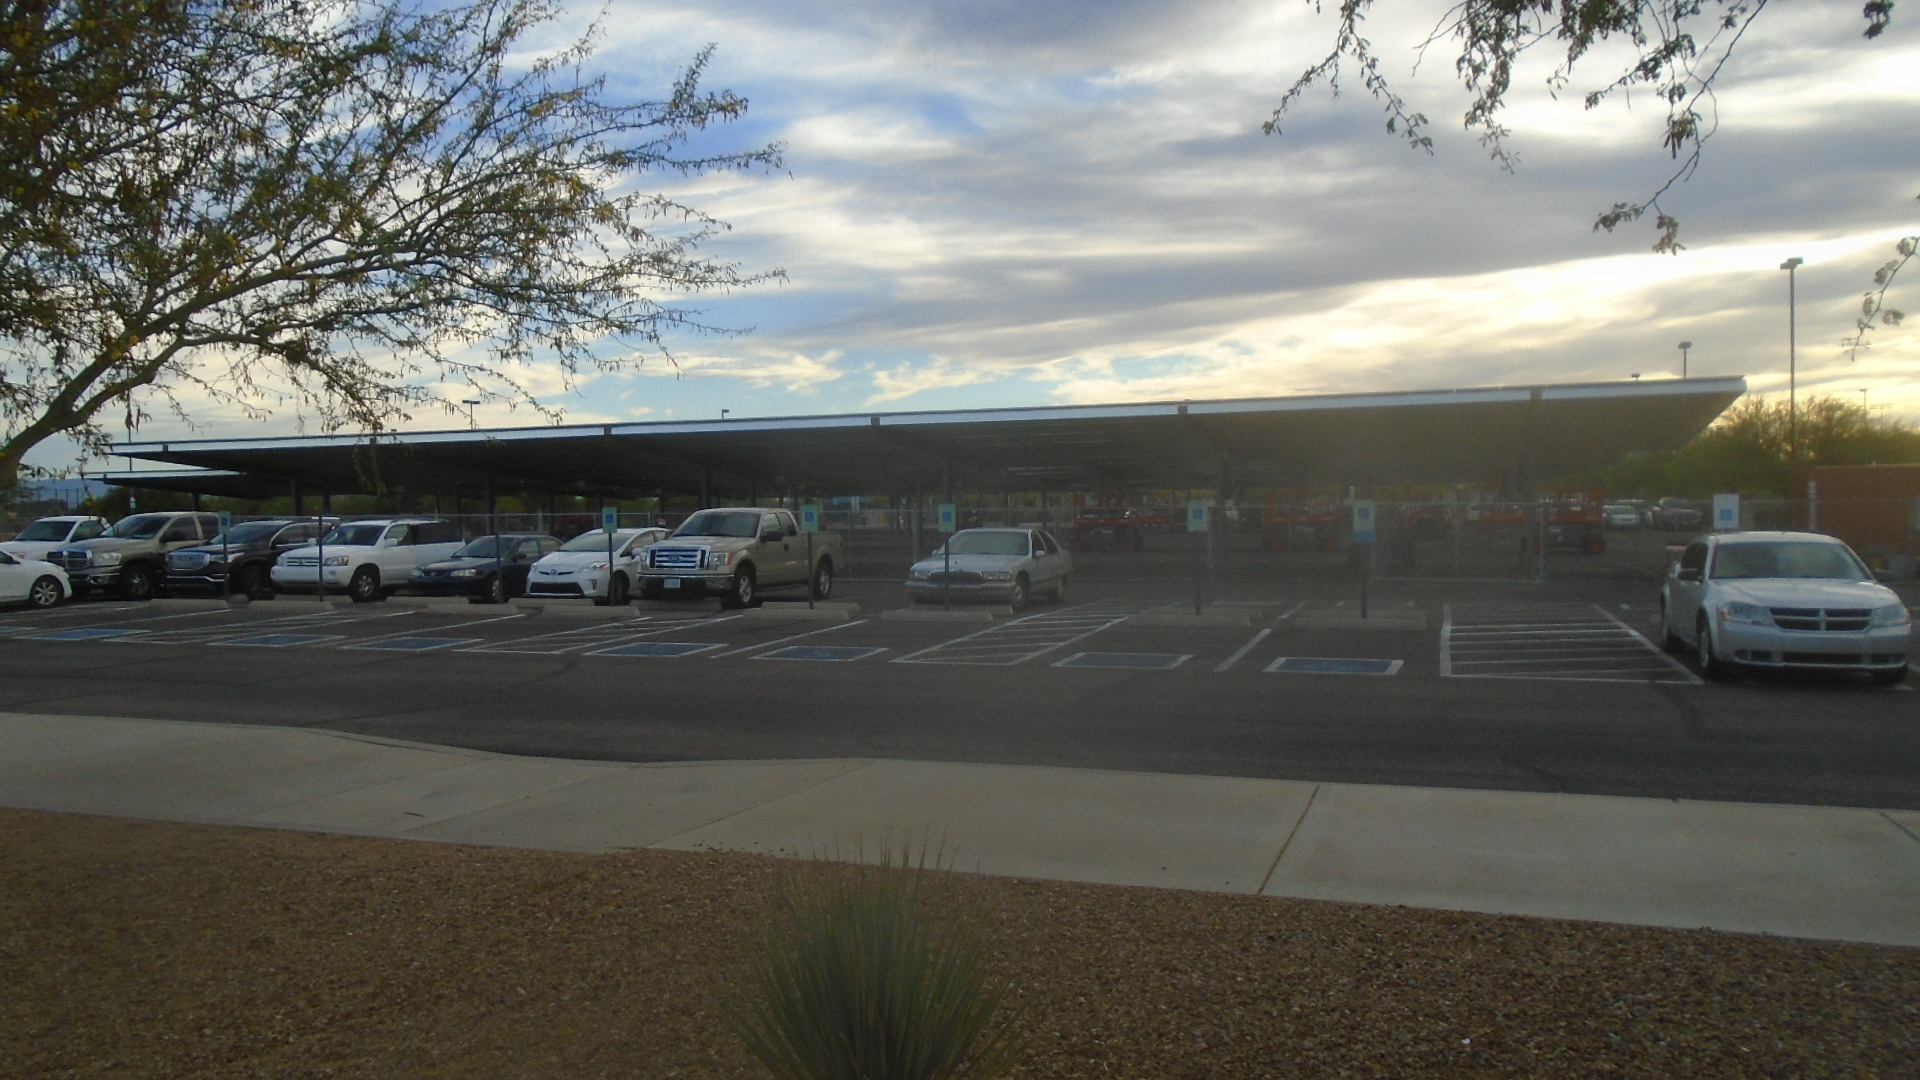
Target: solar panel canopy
column 1503, row 436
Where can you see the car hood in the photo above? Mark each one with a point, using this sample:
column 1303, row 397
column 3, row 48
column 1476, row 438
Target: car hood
column 332, row 549
column 470, row 562
column 1808, row 592
column 108, row 543
column 572, row 560
column 214, row 549
column 972, row 563
column 717, row 543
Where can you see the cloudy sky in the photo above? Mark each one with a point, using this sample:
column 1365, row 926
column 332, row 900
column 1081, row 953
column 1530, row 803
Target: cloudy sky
column 988, row 202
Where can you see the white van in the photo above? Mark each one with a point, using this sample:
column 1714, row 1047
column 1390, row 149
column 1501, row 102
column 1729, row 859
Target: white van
column 368, row 559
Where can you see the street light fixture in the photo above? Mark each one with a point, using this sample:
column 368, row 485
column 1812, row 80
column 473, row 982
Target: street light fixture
column 1684, row 346
column 1793, row 407
column 470, row 403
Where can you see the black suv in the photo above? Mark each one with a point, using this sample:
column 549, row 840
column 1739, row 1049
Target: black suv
column 250, row 547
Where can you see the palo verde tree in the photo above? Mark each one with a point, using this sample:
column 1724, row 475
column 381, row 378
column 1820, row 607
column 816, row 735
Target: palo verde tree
column 352, row 209
column 1678, row 49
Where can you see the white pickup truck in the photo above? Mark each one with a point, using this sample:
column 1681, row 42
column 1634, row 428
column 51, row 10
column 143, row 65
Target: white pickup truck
column 369, row 559
column 736, row 551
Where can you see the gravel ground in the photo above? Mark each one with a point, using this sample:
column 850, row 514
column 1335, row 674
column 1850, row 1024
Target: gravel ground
column 139, row 949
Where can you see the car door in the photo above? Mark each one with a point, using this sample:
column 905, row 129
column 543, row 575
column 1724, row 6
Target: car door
column 399, row 552
column 1686, row 588
column 16, row 577
column 518, row 563
column 180, row 532
column 775, row 554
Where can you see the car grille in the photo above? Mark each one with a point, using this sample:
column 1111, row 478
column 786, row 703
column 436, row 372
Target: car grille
column 674, row 558
column 957, row 577
column 1821, row 619
column 300, row 560
column 188, row 560
column 72, row 559
column 554, row 588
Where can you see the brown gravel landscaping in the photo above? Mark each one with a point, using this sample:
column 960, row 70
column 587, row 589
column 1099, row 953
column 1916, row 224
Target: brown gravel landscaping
column 139, row 949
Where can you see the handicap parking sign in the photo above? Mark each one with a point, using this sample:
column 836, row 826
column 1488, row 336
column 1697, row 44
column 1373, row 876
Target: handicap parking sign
column 610, row 518
column 946, row 517
column 810, row 518
column 1197, row 516
column 1363, row 521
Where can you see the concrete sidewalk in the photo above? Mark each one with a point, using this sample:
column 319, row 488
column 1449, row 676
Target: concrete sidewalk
column 1814, row 872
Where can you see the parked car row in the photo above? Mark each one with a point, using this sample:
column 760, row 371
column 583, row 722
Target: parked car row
column 733, row 552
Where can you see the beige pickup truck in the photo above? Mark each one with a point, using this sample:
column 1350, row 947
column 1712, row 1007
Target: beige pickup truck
column 735, row 552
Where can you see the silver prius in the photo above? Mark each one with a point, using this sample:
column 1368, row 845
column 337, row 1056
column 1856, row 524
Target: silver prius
column 1007, row 565
column 1783, row 600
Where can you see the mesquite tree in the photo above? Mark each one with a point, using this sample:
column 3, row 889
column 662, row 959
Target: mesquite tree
column 351, row 209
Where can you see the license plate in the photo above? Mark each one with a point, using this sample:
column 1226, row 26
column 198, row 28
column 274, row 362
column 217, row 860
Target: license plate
column 673, row 583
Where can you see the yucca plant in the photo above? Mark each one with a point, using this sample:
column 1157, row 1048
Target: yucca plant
column 857, row 980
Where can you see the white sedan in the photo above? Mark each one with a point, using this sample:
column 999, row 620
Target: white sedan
column 1783, row 600
column 581, row 566
column 40, row 584
column 1007, row 565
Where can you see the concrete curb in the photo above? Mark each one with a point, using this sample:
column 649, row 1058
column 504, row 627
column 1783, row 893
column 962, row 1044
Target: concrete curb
column 679, row 606
column 960, row 615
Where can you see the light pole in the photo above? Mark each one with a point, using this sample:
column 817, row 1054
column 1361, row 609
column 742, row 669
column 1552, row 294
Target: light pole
column 1684, row 346
column 470, row 403
column 1793, row 407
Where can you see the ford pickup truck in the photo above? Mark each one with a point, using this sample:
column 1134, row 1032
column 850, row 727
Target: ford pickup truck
column 734, row 552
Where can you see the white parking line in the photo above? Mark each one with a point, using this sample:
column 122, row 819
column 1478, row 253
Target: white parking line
column 1573, row 645
column 558, row 642
column 1023, row 639
column 790, row 637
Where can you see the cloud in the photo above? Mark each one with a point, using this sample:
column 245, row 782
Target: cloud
column 940, row 373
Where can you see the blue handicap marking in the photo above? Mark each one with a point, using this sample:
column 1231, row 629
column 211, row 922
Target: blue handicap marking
column 1331, row 665
column 278, row 641
column 657, row 648
column 84, row 633
column 819, row 652
column 412, row 644
column 1133, row 661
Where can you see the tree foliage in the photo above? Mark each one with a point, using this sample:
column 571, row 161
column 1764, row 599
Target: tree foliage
column 351, row 208
column 1680, row 48
column 1758, row 449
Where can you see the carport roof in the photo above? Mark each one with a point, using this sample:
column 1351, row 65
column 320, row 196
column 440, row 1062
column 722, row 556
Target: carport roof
column 1491, row 435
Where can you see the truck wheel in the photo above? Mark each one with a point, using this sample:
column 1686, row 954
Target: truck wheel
column 136, row 583
column 743, row 592
column 45, row 593
column 365, row 586
column 495, row 591
column 823, row 580
column 255, row 583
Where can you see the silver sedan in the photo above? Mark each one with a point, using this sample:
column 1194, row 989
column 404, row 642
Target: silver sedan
column 1005, row 565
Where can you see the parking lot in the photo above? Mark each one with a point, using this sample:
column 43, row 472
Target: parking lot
column 1555, row 687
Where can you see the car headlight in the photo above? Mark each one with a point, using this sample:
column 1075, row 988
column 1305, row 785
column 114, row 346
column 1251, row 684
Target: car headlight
column 719, row 558
column 105, row 558
column 466, row 573
column 1891, row 615
column 1739, row 612
column 337, row 560
column 601, row 565
column 997, row 575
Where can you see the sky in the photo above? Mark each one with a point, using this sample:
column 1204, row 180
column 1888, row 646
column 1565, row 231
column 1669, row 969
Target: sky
column 989, row 203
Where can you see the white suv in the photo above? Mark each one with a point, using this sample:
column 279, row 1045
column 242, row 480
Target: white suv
column 369, row 559
column 34, row 541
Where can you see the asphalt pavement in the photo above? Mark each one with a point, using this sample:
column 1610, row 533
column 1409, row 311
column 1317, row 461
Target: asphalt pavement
column 1554, row 687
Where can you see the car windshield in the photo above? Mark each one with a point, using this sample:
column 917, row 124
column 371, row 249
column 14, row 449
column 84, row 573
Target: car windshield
column 1787, row 560
column 246, row 533
column 138, row 527
column 988, row 543
column 45, row 529
column 715, row 523
column 482, row 548
column 354, row 535
column 596, row 540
